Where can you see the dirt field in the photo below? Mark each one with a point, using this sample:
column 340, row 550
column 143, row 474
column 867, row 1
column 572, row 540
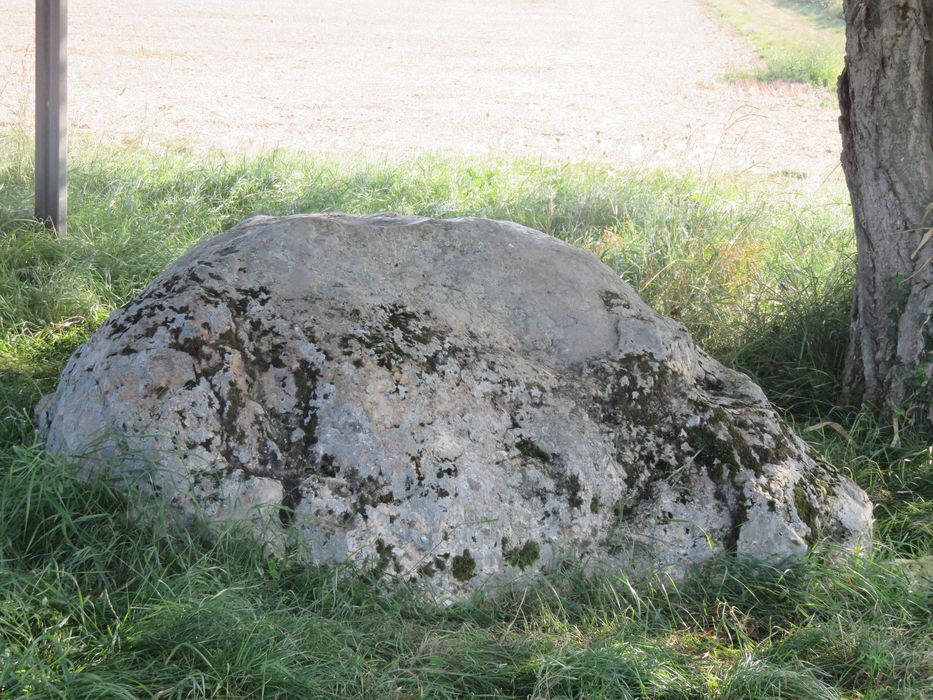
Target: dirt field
column 629, row 82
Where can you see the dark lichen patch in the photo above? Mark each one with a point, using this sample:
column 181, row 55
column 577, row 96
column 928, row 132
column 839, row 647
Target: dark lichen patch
column 416, row 466
column 594, row 505
column 210, row 357
column 711, row 382
column 632, row 478
column 463, row 566
column 306, row 378
column 194, row 346
column 565, row 483
column 807, row 512
column 739, row 516
column 613, row 299
column 764, row 448
column 375, row 500
column 436, row 565
column 711, row 451
column 148, row 306
column 291, row 486
column 288, row 438
column 274, row 354
column 230, row 407
column 629, row 390
column 528, row 448
column 329, row 466
column 395, row 335
column 385, row 351
column 523, row 556
column 724, row 446
column 260, row 296
column 573, row 488
column 434, row 362
column 284, row 442
column 361, row 491
column 409, row 323
column 385, row 558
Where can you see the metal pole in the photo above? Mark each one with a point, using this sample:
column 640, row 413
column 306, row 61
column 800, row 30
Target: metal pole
column 51, row 111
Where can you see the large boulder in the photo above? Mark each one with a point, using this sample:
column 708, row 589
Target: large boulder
column 461, row 402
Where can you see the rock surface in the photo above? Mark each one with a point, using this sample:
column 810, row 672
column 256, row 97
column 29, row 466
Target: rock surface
column 460, row 402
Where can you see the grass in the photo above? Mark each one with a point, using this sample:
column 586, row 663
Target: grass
column 101, row 597
column 797, row 40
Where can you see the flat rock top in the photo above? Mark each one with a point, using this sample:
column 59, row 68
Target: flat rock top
column 478, row 275
column 633, row 82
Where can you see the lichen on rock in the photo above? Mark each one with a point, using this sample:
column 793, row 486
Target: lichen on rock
column 457, row 402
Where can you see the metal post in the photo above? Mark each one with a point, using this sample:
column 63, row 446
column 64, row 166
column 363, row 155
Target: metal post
column 51, row 110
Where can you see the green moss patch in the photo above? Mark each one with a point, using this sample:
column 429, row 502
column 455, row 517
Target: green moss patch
column 523, row 556
column 463, row 566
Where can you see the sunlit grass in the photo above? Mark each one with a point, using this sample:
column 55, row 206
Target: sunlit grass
column 798, row 40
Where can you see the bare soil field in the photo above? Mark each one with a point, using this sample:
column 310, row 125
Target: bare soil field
column 628, row 83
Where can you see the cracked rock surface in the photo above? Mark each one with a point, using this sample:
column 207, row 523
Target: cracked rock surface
column 460, row 402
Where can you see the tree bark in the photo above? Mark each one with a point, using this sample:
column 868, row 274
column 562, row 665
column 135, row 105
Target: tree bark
column 886, row 101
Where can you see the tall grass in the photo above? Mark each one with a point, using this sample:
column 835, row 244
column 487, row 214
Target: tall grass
column 101, row 597
column 797, row 40
column 744, row 266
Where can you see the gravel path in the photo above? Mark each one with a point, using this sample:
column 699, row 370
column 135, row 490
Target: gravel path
column 629, row 82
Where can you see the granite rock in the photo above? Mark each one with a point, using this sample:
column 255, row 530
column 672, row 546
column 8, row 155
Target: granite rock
column 461, row 402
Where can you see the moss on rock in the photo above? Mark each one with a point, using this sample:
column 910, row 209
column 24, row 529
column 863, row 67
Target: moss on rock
column 463, row 566
column 523, row 556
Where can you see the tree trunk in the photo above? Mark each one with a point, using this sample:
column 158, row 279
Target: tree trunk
column 886, row 101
